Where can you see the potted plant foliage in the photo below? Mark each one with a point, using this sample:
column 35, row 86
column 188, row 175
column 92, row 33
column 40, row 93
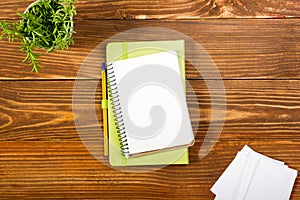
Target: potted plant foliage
column 45, row 24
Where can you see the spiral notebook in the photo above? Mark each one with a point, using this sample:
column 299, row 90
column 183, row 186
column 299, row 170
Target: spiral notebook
column 127, row 75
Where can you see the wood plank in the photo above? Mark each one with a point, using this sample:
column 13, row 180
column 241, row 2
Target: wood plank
column 241, row 49
column 42, row 110
column 29, row 109
column 66, row 170
column 178, row 9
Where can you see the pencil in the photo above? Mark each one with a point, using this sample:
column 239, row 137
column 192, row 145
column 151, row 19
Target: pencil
column 104, row 108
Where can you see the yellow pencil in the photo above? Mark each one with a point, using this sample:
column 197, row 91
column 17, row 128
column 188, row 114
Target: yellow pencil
column 104, row 108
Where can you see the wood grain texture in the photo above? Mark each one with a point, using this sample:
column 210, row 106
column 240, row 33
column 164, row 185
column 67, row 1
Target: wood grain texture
column 42, row 110
column 170, row 9
column 41, row 152
column 241, row 49
column 48, row 170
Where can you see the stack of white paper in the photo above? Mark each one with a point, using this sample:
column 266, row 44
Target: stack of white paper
column 253, row 176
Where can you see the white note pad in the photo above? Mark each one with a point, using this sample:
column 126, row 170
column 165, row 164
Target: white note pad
column 246, row 178
column 151, row 104
column 227, row 182
column 269, row 181
column 254, row 176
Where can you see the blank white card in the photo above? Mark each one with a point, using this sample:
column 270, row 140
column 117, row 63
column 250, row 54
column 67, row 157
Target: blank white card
column 253, row 176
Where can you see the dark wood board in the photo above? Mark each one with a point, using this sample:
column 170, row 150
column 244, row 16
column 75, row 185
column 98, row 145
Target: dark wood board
column 240, row 48
column 170, row 9
column 255, row 47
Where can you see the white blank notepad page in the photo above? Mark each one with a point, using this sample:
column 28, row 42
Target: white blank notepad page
column 153, row 103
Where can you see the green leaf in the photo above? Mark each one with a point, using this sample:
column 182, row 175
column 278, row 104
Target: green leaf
column 45, row 25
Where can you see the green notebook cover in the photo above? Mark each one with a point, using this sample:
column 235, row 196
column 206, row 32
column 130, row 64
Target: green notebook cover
column 124, row 50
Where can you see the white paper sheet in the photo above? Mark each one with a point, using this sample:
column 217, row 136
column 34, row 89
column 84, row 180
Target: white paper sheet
column 226, row 184
column 254, row 176
column 269, row 181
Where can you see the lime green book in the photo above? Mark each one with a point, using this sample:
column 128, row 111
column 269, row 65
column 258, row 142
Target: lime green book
column 124, row 50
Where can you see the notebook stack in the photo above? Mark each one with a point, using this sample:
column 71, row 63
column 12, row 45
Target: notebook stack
column 253, row 176
column 139, row 76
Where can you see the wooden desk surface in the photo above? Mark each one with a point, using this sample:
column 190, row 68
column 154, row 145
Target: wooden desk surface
column 255, row 45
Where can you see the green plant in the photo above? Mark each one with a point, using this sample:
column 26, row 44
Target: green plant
column 47, row 24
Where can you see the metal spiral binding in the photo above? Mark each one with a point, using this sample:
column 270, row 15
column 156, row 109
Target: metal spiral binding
column 116, row 109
